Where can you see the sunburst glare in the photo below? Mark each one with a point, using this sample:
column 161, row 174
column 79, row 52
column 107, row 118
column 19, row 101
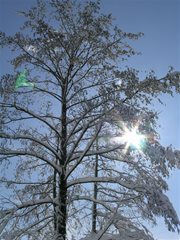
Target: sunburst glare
column 133, row 139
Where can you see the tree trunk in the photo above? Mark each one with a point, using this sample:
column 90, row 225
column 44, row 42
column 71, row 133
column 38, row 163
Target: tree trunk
column 94, row 214
column 62, row 213
column 55, row 186
column 62, row 196
column 54, row 196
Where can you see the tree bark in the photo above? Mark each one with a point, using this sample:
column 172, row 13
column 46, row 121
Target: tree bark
column 62, row 213
column 94, row 211
column 62, row 196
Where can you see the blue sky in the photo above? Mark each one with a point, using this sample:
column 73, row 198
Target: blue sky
column 159, row 20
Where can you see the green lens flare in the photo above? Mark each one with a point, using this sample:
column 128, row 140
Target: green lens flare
column 22, row 81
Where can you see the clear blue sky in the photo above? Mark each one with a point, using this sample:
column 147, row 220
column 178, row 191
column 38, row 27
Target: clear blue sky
column 160, row 47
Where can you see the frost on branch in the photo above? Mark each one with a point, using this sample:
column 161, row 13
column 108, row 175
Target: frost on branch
column 160, row 205
column 126, row 231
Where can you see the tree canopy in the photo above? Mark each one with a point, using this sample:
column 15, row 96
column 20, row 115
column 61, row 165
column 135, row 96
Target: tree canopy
column 68, row 168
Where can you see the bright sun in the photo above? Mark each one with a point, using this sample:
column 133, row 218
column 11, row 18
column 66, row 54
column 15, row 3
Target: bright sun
column 133, row 138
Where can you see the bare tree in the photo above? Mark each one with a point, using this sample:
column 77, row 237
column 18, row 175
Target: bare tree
column 72, row 53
